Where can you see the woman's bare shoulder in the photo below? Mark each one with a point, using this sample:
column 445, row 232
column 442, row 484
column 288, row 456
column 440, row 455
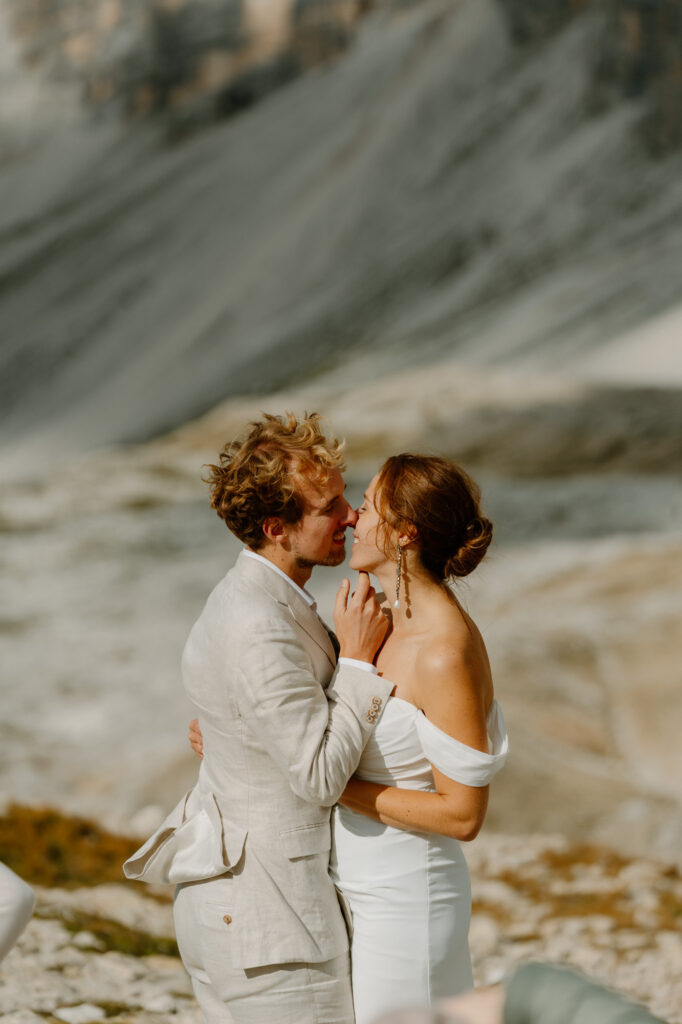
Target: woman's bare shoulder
column 449, row 652
column 454, row 675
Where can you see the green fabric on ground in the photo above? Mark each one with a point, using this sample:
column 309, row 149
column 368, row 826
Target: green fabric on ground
column 544, row 994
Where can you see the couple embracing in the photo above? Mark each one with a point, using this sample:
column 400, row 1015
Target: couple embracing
column 391, row 721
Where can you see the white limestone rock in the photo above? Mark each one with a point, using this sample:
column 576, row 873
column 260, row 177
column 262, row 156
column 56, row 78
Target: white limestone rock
column 83, row 1014
column 86, row 940
column 22, row 1017
column 484, row 936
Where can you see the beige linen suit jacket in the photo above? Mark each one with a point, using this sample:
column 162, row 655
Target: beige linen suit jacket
column 283, row 729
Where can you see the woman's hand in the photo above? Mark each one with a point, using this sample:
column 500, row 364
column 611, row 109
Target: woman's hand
column 360, row 623
column 196, row 740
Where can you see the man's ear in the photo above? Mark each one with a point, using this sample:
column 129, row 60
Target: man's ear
column 274, row 530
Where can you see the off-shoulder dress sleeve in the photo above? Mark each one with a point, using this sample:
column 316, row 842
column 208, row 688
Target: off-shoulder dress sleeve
column 460, row 762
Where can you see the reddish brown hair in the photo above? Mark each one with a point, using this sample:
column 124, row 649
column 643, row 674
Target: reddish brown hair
column 442, row 503
column 258, row 473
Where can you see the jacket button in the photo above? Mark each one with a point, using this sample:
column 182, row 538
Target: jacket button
column 227, row 919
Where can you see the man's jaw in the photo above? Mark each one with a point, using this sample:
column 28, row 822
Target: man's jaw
column 331, row 559
column 336, row 557
column 337, row 553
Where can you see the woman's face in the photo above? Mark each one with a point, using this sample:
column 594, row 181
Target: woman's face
column 370, row 535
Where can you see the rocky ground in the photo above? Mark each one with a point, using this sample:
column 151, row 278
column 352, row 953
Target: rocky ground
column 106, row 951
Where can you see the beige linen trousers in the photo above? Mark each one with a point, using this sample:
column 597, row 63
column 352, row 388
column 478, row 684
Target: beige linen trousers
column 257, row 916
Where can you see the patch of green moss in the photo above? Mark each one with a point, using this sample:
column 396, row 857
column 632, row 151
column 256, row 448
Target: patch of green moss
column 670, row 912
column 114, row 936
column 613, row 905
column 571, row 904
column 497, row 911
column 112, row 1009
column 566, row 862
column 46, row 847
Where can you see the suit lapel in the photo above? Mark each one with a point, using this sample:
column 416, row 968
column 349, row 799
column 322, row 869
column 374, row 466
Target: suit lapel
column 310, row 621
column 332, row 637
column 282, row 591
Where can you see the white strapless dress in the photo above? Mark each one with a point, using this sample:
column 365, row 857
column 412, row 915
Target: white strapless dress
column 408, row 892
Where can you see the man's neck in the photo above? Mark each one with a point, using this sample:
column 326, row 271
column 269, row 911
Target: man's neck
column 286, row 563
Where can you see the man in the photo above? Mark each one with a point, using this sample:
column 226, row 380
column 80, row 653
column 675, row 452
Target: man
column 258, row 920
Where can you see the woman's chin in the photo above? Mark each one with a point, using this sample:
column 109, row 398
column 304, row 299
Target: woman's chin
column 355, row 562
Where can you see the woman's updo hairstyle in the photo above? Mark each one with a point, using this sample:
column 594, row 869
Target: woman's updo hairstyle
column 442, row 503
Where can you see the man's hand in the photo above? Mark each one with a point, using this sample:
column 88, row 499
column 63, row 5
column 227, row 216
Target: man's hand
column 196, row 740
column 360, row 624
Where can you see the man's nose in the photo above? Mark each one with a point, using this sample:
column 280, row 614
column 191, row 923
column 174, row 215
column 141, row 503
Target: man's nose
column 351, row 516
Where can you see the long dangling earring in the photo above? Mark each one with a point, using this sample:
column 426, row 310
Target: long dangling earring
column 396, row 603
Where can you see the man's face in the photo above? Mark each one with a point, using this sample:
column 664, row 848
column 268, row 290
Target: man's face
column 319, row 537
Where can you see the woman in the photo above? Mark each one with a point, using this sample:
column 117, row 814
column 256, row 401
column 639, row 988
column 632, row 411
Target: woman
column 422, row 783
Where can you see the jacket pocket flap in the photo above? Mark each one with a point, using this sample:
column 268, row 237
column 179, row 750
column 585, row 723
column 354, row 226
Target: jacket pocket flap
column 213, row 913
column 188, row 847
column 306, row 840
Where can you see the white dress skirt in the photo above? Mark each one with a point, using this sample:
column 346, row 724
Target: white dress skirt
column 408, row 892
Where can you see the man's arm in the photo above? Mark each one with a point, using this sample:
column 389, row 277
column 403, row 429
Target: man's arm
column 316, row 739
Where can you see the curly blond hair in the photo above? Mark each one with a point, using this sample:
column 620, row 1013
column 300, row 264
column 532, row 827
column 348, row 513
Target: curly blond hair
column 258, row 473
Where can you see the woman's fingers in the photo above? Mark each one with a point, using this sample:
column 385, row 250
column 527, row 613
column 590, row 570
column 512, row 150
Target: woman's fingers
column 362, row 588
column 341, row 601
column 360, row 623
column 364, row 591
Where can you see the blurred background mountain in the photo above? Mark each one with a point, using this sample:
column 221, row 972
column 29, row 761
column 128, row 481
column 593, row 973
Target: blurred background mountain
column 494, row 182
column 454, row 226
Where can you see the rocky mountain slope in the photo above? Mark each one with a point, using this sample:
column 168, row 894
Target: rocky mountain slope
column 457, row 184
column 192, row 61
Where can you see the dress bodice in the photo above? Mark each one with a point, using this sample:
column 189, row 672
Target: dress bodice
column 405, row 744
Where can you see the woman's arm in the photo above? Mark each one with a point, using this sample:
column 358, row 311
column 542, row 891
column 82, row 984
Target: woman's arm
column 455, row 702
column 455, row 810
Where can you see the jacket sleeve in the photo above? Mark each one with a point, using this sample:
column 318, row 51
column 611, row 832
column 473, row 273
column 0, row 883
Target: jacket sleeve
column 315, row 738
